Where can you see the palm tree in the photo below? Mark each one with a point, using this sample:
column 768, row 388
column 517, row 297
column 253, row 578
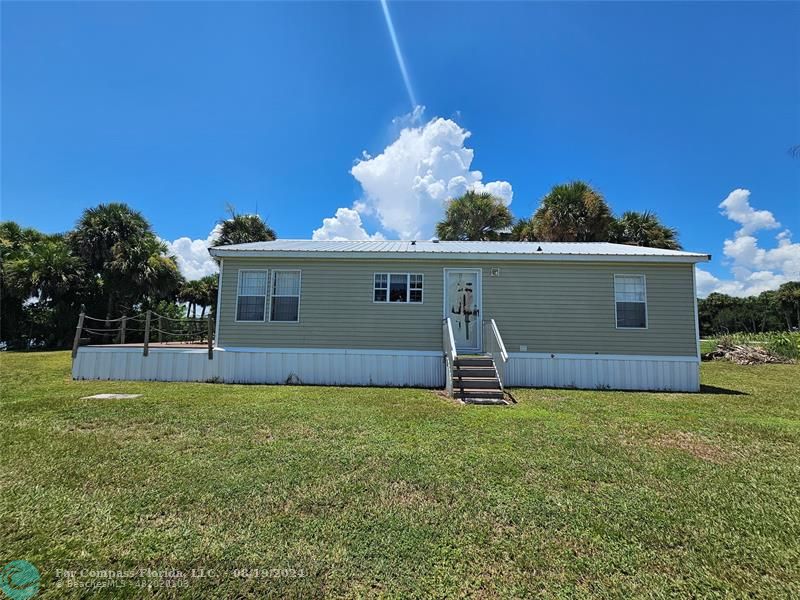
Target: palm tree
column 643, row 229
column 11, row 300
column 241, row 229
column 46, row 270
column 13, row 237
column 15, row 241
column 153, row 272
column 193, row 293
column 209, row 284
column 474, row 216
column 788, row 297
column 122, row 251
column 105, row 230
column 572, row 212
column 43, row 284
column 522, row 231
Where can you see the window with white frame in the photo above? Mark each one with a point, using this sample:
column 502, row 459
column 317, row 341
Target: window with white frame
column 415, row 287
column 285, row 301
column 630, row 295
column 251, row 300
column 381, row 290
column 398, row 287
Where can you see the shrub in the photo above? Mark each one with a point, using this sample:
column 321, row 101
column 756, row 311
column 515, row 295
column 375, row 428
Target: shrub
column 780, row 343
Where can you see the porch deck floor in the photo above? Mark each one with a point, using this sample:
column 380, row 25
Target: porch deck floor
column 181, row 345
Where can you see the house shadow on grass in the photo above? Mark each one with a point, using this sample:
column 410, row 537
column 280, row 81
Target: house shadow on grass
column 712, row 389
column 704, row 389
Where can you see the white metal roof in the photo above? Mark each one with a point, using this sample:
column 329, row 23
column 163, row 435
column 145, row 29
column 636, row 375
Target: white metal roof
column 602, row 251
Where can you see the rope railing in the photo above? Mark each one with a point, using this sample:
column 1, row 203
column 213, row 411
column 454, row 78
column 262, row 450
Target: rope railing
column 101, row 331
column 182, row 320
column 157, row 329
column 193, row 335
column 118, row 319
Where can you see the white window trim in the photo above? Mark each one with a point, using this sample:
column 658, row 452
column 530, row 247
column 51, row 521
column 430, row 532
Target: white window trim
column 646, row 312
column 299, row 293
column 374, row 289
column 218, row 315
column 238, row 295
column 696, row 315
column 421, row 290
column 408, row 275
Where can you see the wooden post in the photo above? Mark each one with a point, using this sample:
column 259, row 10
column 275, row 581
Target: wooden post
column 146, row 334
column 122, row 329
column 159, row 330
column 78, row 332
column 210, row 338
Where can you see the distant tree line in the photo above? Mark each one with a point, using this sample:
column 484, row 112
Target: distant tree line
column 570, row 212
column 112, row 262
column 774, row 310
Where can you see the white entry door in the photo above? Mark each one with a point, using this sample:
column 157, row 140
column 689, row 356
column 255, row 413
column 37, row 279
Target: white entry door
column 462, row 303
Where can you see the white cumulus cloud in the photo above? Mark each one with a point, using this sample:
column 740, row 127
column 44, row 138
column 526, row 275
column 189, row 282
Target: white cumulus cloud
column 406, row 187
column 755, row 269
column 747, row 284
column 408, row 184
column 346, row 225
column 737, row 208
column 192, row 256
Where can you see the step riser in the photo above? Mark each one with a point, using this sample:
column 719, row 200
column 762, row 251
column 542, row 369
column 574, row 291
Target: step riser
column 475, row 372
column 474, row 362
column 474, row 384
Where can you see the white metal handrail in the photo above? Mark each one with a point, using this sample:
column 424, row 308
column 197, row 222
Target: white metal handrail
column 495, row 347
column 450, row 353
column 496, row 340
column 450, row 340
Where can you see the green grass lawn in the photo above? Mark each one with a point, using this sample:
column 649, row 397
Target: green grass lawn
column 311, row 491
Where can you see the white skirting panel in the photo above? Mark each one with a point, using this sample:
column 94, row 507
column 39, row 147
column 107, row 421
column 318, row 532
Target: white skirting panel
column 172, row 364
column 319, row 366
column 284, row 365
column 333, row 367
column 590, row 371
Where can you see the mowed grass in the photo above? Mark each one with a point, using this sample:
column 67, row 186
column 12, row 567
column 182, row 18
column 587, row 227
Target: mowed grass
column 400, row 492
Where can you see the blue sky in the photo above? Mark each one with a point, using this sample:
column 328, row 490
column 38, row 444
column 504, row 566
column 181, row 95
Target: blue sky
column 180, row 108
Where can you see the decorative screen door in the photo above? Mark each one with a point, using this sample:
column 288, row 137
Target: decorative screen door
column 463, row 306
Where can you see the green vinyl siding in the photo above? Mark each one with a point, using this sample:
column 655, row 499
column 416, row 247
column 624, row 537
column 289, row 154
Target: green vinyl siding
column 554, row 307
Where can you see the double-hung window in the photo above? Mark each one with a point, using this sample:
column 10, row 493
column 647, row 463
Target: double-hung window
column 415, row 287
column 397, row 287
column 381, row 288
column 251, row 299
column 285, row 301
column 630, row 295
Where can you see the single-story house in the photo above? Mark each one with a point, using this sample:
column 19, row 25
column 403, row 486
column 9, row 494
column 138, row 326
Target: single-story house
column 455, row 315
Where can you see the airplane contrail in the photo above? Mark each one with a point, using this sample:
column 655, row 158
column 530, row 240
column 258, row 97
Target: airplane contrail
column 398, row 53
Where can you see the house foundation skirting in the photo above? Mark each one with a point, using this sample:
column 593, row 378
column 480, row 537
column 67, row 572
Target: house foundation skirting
column 321, row 366
column 366, row 367
column 603, row 371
